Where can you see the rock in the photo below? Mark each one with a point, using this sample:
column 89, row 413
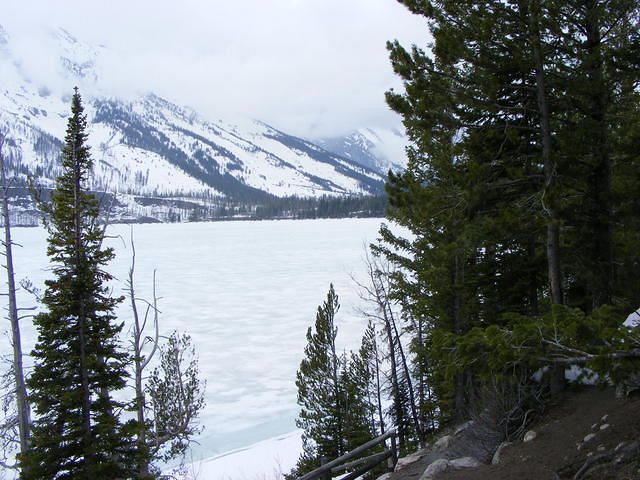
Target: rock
column 589, row 437
column 464, row 462
column 442, row 443
column 630, row 384
column 463, row 427
column 605, row 426
column 594, row 426
column 435, row 468
column 409, row 459
column 386, row 476
column 604, row 418
column 496, row 456
column 530, row 435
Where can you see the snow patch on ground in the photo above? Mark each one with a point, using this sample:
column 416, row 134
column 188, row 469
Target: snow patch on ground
column 266, row 460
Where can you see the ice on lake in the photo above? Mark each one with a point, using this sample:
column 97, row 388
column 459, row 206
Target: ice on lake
column 246, row 292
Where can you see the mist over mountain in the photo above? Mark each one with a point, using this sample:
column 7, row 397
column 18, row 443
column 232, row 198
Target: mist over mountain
column 154, row 159
column 379, row 149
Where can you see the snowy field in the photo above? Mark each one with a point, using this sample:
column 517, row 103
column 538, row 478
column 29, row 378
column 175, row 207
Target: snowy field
column 246, row 292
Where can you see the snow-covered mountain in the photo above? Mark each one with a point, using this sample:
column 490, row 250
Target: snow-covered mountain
column 379, row 149
column 151, row 153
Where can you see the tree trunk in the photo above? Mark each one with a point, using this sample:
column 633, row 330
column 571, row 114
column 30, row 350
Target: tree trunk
column 556, row 374
column 599, row 180
column 459, row 328
column 407, row 373
column 82, row 327
column 24, row 410
column 550, row 167
column 140, row 364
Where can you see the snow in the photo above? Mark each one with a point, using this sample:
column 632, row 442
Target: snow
column 241, row 149
column 246, row 292
column 633, row 320
column 266, row 460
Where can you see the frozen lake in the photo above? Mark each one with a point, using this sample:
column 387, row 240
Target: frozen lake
column 246, row 292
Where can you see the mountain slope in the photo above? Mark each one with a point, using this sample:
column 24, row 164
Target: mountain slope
column 379, row 149
column 151, row 147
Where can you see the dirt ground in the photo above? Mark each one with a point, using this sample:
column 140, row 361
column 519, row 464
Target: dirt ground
column 559, row 441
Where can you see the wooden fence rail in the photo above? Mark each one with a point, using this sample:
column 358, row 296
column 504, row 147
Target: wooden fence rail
column 339, row 465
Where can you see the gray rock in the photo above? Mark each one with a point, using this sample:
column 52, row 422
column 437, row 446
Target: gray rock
column 463, row 427
column 464, row 462
column 589, row 437
column 385, row 476
column 530, row 435
column 605, row 426
column 409, row 459
column 496, row 456
column 630, row 384
column 443, row 443
column 435, row 468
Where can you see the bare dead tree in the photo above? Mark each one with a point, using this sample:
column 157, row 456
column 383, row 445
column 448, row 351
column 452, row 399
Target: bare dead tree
column 139, row 342
column 172, row 393
column 22, row 404
column 377, row 292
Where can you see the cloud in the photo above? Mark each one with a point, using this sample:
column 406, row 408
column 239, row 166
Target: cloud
column 310, row 67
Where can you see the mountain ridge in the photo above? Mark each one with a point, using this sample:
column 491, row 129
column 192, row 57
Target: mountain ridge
column 150, row 147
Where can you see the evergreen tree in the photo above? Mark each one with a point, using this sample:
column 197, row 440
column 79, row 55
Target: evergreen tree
column 319, row 390
column 511, row 192
column 78, row 360
column 334, row 415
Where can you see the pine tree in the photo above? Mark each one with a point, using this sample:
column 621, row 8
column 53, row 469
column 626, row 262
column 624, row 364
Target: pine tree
column 335, row 416
column 512, row 192
column 78, row 360
column 319, row 390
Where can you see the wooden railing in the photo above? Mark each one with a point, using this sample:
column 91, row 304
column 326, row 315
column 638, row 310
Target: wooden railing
column 362, row 465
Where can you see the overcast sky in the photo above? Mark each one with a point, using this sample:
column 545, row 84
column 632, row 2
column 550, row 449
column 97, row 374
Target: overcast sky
column 309, row 67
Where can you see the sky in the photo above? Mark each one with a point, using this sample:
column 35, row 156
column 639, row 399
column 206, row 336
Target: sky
column 310, row 67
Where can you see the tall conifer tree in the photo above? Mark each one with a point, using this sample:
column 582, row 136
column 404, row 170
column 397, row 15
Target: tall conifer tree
column 334, row 415
column 78, row 360
column 515, row 180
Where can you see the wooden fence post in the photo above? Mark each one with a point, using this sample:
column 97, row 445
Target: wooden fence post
column 393, row 459
column 326, row 475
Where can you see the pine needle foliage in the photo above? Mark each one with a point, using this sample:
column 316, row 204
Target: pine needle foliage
column 78, row 359
column 335, row 413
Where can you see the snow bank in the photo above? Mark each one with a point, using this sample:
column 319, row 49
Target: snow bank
column 266, row 460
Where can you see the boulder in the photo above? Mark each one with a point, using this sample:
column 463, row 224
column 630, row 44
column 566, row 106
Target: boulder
column 409, row 459
column 443, row 443
column 463, row 427
column 464, row 462
column 435, row 468
column 530, row 435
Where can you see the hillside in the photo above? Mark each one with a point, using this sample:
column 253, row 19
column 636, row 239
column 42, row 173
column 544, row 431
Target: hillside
column 158, row 158
column 578, row 436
